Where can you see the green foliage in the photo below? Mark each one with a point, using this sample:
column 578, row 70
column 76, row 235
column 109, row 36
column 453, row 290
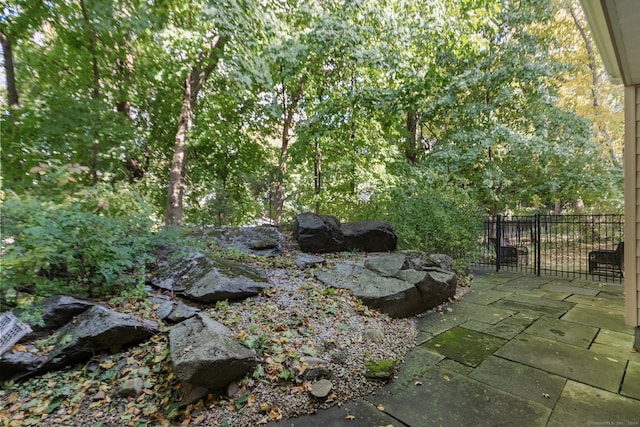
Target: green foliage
column 64, row 238
column 435, row 218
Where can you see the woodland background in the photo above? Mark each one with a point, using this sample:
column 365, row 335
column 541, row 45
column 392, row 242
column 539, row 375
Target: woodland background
column 120, row 117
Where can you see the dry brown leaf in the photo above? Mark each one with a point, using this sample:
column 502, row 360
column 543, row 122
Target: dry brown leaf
column 380, row 408
column 446, row 378
column 350, row 417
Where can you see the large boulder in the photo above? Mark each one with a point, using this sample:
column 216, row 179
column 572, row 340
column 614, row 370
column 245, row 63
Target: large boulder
column 205, row 354
column 208, row 280
column 324, row 233
column 95, row 331
column 15, row 365
column 261, row 240
column 370, row 236
column 52, row 313
column 400, row 285
column 319, row 233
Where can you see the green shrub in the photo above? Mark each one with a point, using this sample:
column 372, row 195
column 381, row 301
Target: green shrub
column 76, row 240
column 432, row 218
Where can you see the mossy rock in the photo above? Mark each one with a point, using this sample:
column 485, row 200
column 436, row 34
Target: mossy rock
column 381, row 369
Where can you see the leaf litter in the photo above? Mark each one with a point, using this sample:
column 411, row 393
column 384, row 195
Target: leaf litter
column 296, row 320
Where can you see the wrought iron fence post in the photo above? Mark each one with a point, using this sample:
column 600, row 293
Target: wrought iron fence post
column 537, row 245
column 498, row 240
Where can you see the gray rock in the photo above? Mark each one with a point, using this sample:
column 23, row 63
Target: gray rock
column 14, row 366
column 324, row 233
column 321, row 389
column 95, row 331
column 374, row 335
column 164, row 306
column 305, row 260
column 261, row 240
column 131, row 387
column 56, row 311
column 209, row 280
column 191, row 393
column 370, row 236
column 392, row 284
column 205, row 354
column 319, row 233
column 182, row 312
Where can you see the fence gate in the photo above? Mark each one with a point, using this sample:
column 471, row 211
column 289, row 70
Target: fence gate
column 587, row 246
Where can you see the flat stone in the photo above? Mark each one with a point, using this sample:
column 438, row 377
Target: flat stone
column 529, row 383
column 485, row 297
column 611, row 320
column 537, row 301
column 563, row 331
column 508, row 328
column 631, row 384
column 615, row 343
column 557, row 295
column 446, row 398
column 437, row 322
column 457, row 367
column 565, row 360
column 465, row 346
column 529, row 307
column 582, row 405
column 363, row 413
column 598, row 302
column 522, row 283
column 321, row 388
column 476, row 326
column 556, row 287
column 418, row 361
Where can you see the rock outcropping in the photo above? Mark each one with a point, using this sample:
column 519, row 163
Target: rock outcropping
column 401, row 284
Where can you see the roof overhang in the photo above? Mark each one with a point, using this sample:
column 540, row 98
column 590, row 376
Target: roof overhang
column 615, row 25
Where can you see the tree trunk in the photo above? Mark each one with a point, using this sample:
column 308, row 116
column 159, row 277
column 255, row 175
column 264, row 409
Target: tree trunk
column 317, row 174
column 9, row 71
column 95, row 88
column 411, row 150
column 284, row 147
column 193, row 83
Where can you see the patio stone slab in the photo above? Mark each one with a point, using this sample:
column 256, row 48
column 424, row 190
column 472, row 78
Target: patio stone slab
column 529, row 383
column 465, row 346
column 557, row 287
column 521, row 283
column 557, row 295
column 606, row 319
column 435, row 323
column 598, row 302
column 563, row 331
column 418, row 361
column 532, row 310
column 565, row 360
column 509, row 327
column 582, row 405
column 631, row 384
column 364, row 413
column 616, row 344
column 457, row 367
column 485, row 296
column 450, row 399
column 474, row 325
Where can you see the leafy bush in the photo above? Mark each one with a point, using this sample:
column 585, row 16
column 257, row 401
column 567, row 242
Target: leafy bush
column 74, row 240
column 428, row 217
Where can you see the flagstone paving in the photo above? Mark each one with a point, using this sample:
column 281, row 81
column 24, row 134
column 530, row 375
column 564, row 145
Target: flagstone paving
column 516, row 351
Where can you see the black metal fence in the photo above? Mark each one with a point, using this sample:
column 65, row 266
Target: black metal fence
column 583, row 246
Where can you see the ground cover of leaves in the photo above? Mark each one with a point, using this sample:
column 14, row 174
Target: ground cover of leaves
column 296, row 320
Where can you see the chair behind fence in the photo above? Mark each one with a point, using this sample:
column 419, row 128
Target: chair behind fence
column 586, row 246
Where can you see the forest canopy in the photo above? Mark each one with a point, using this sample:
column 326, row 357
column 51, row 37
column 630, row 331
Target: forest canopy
column 427, row 114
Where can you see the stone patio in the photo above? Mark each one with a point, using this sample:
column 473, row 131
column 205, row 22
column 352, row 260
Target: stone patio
column 517, row 350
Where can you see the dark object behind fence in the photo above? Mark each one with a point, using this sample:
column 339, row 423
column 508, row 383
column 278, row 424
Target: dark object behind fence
column 586, row 246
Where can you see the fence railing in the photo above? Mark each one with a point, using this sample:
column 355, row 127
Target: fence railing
column 581, row 246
